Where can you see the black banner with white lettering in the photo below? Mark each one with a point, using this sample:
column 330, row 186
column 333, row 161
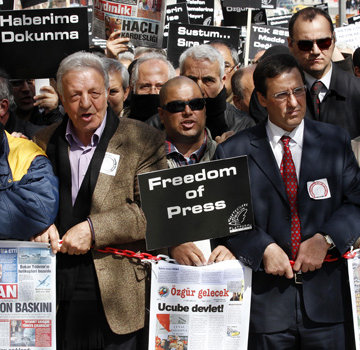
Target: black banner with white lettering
column 6, row 5
column 196, row 202
column 184, row 36
column 33, row 42
column 324, row 7
column 200, row 11
column 174, row 13
column 263, row 37
column 237, row 16
column 279, row 21
column 249, row 4
column 354, row 19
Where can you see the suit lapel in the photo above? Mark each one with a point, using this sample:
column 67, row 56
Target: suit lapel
column 263, row 156
column 312, row 146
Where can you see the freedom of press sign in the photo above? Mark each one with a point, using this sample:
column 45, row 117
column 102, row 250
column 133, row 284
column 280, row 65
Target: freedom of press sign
column 45, row 36
column 196, row 202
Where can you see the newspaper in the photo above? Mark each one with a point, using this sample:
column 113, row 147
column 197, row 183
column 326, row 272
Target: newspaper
column 140, row 20
column 200, row 308
column 354, row 279
column 27, row 296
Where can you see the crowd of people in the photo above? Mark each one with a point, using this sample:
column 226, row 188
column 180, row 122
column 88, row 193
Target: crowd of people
column 295, row 114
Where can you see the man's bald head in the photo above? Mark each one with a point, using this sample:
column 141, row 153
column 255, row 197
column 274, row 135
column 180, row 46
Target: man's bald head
column 176, row 83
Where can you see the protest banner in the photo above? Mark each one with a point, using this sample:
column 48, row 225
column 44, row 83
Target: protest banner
column 354, row 19
column 237, row 16
column 248, row 4
column 354, row 280
column 33, row 42
column 348, row 36
column 196, row 202
column 279, row 21
column 268, row 4
column 200, row 307
column 142, row 21
column 27, row 296
column 6, row 5
column 184, row 36
column 174, row 13
column 29, row 3
column 200, row 11
column 262, row 37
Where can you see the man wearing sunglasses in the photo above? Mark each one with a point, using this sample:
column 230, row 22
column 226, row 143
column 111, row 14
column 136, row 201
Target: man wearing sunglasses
column 333, row 94
column 305, row 187
column 183, row 113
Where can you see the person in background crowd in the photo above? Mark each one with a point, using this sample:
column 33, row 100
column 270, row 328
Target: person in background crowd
column 305, row 187
column 356, row 62
column 29, row 189
column 242, row 84
column 39, row 110
column 231, row 60
column 119, row 84
column 99, row 207
column 149, row 74
column 205, row 65
column 333, row 94
column 183, row 113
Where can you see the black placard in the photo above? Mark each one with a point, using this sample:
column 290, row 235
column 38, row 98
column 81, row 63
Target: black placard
column 196, row 202
column 237, row 16
column 33, row 42
column 324, row 7
column 279, row 21
column 28, row 3
column 184, row 36
column 200, row 11
column 262, row 37
column 174, row 13
column 6, row 5
column 354, row 19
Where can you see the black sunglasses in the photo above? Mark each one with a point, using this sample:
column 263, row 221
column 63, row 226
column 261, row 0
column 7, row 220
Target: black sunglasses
column 307, row 45
column 196, row 104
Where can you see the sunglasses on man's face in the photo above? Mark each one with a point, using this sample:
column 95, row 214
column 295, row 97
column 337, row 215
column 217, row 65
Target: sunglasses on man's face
column 196, row 104
column 307, row 45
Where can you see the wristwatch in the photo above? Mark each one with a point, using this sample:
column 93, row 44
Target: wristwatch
column 329, row 241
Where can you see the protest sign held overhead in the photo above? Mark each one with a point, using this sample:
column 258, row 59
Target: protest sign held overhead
column 184, row 36
column 200, row 11
column 348, row 36
column 33, row 42
column 262, row 37
column 174, row 13
column 237, row 16
column 279, row 21
column 196, row 202
column 142, row 21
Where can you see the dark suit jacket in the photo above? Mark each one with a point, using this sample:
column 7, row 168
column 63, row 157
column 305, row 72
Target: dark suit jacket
column 341, row 105
column 119, row 221
column 326, row 154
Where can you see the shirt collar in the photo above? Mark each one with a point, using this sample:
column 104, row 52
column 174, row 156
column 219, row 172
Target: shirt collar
column 275, row 133
column 72, row 139
column 310, row 80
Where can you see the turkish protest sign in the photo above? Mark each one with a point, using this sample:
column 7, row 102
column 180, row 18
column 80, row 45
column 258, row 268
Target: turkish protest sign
column 33, row 42
column 354, row 19
column 200, row 11
column 237, row 16
column 200, row 307
column 254, row 4
column 142, row 21
column 6, row 5
column 262, row 37
column 184, row 36
column 174, row 13
column 348, row 36
column 279, row 21
column 27, row 296
column 196, row 202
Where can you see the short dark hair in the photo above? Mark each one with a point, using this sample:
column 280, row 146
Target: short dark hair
column 356, row 57
column 308, row 14
column 272, row 66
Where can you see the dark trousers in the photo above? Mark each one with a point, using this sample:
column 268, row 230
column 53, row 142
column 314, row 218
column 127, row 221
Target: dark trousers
column 305, row 334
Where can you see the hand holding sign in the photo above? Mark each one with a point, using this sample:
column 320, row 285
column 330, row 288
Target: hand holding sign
column 115, row 45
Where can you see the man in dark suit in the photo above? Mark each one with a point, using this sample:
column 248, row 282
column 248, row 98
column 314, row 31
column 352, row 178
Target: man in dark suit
column 305, row 187
column 333, row 94
column 97, row 157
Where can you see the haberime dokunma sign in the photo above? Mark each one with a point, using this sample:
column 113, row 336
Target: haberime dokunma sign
column 196, row 202
column 33, row 42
